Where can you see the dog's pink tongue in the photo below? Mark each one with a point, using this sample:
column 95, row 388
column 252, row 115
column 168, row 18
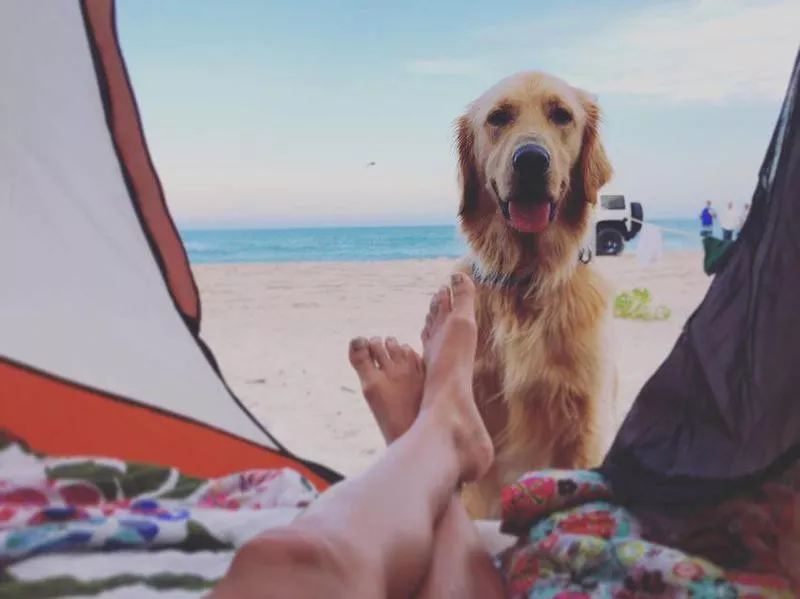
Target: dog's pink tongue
column 529, row 218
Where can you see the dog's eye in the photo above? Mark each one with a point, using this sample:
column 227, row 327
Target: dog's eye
column 560, row 116
column 499, row 117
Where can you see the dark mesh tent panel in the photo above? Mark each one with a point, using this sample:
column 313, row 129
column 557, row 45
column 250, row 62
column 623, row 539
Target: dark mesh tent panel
column 723, row 410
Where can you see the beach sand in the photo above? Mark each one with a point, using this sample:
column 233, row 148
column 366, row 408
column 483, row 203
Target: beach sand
column 280, row 334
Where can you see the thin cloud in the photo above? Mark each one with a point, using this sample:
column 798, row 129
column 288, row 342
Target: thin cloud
column 711, row 51
column 446, row 66
column 689, row 51
column 546, row 29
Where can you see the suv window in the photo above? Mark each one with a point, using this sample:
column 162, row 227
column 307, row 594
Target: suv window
column 613, row 202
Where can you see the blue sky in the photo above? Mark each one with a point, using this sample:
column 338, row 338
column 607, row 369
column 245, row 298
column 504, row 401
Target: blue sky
column 267, row 113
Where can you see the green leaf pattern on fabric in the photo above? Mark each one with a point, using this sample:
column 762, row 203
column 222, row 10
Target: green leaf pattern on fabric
column 57, row 505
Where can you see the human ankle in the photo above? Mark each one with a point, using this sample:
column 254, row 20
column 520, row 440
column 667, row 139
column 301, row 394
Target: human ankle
column 461, row 435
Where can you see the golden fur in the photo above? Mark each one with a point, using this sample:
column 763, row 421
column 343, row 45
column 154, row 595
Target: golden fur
column 544, row 378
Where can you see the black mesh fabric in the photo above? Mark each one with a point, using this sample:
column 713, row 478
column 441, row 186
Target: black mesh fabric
column 723, row 410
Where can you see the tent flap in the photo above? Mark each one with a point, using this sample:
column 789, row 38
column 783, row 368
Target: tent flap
column 100, row 347
column 722, row 411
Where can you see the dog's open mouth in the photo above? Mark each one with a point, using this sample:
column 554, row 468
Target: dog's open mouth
column 529, row 217
column 524, row 215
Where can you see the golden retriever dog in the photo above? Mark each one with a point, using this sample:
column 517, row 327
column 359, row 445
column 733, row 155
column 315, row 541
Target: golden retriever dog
column 531, row 165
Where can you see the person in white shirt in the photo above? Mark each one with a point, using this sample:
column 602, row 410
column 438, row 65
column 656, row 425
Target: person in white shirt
column 745, row 212
column 728, row 222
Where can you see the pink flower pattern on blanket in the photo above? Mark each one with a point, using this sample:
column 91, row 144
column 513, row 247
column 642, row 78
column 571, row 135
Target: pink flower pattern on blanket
column 101, row 504
column 576, row 542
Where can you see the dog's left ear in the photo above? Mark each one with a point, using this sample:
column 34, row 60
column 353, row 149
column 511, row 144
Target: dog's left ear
column 467, row 170
column 594, row 167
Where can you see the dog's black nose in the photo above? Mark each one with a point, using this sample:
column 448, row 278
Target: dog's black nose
column 531, row 162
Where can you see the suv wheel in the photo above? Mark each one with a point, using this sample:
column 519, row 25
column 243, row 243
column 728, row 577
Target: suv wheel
column 609, row 242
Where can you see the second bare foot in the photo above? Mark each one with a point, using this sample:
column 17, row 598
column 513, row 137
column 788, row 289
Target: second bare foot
column 450, row 340
column 391, row 377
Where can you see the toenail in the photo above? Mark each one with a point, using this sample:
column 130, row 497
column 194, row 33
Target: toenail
column 358, row 343
column 456, row 278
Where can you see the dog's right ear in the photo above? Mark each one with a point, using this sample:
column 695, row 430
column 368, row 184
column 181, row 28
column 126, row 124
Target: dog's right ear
column 468, row 171
column 595, row 168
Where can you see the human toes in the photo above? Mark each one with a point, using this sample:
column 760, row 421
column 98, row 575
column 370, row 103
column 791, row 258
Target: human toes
column 441, row 302
column 361, row 360
column 426, row 329
column 438, row 309
column 378, row 353
column 403, row 356
column 413, row 358
column 430, row 316
column 395, row 350
column 462, row 296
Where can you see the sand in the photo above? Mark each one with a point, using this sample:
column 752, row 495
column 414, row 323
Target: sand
column 280, row 334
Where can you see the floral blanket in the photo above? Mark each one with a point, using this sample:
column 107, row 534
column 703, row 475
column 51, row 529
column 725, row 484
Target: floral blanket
column 58, row 516
column 575, row 542
column 104, row 528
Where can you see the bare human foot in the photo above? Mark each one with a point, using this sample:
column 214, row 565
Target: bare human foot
column 391, row 378
column 450, row 339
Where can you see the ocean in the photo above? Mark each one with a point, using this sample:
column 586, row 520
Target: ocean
column 361, row 244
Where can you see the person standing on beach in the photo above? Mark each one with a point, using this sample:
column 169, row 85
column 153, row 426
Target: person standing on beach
column 743, row 218
column 729, row 222
column 707, row 217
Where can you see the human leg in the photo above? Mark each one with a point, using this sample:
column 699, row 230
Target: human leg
column 462, row 567
column 392, row 380
column 372, row 536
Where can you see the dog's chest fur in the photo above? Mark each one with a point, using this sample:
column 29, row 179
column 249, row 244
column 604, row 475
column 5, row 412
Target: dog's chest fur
column 540, row 373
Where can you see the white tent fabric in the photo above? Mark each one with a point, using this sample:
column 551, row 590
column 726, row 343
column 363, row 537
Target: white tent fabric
column 82, row 297
column 117, row 430
column 100, row 347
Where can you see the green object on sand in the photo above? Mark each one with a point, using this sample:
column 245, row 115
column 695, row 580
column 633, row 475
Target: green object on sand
column 637, row 305
column 716, row 254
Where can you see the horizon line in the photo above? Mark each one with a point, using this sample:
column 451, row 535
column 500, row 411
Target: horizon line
column 222, row 225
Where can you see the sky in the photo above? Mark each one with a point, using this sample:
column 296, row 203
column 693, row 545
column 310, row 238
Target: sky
column 267, row 113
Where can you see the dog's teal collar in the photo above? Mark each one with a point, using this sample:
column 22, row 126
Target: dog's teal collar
column 510, row 281
column 498, row 279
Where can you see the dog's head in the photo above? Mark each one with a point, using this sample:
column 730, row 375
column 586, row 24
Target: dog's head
column 531, row 164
